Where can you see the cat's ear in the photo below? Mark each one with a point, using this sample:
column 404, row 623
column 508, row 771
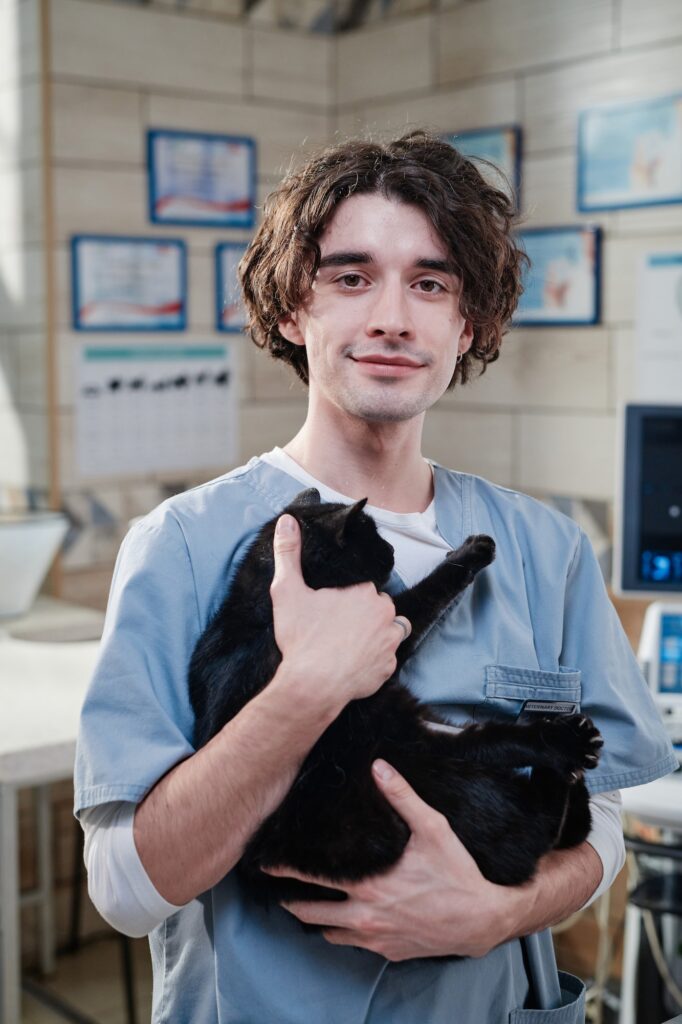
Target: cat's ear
column 311, row 496
column 344, row 517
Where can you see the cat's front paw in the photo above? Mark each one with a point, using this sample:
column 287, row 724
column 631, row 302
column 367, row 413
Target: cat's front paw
column 578, row 743
column 475, row 553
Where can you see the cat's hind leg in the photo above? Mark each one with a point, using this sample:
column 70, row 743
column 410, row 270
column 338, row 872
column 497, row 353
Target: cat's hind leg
column 566, row 744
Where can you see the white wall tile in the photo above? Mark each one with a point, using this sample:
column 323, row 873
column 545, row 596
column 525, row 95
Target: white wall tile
column 563, row 368
column 493, row 36
column 104, row 200
column 23, row 452
column 31, row 351
column 647, row 23
column 570, row 454
column 22, row 296
column 282, row 135
column 21, row 205
column 20, row 124
column 553, row 98
column 448, row 110
column 9, row 370
column 388, row 60
column 649, row 220
column 266, row 424
column 623, row 382
column 292, row 66
column 201, row 292
column 548, row 192
column 471, row 441
column 137, row 46
column 93, row 123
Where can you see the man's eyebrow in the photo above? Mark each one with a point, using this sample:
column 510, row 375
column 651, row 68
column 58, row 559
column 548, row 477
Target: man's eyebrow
column 444, row 266
column 342, row 259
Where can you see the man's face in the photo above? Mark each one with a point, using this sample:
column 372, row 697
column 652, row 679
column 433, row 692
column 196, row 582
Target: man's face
column 381, row 325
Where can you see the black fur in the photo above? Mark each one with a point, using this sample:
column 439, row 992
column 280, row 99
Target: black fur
column 334, row 822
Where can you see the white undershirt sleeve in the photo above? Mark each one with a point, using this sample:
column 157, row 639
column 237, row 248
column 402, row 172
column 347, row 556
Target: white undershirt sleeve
column 606, row 838
column 118, row 884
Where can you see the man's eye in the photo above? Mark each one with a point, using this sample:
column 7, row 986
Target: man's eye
column 430, row 286
column 351, row 280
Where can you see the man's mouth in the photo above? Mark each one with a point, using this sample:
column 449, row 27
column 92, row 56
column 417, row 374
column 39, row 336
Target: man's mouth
column 388, row 366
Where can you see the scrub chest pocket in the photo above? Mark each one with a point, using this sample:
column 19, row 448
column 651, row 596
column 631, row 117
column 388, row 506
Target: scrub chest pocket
column 571, row 1011
column 520, row 694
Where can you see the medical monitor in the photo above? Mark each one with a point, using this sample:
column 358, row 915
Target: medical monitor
column 648, row 544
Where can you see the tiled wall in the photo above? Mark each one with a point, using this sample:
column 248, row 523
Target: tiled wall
column 543, row 418
column 118, row 70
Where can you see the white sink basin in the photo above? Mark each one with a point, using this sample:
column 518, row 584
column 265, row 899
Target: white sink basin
column 29, row 542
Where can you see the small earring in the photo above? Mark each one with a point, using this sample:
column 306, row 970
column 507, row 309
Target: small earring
column 460, row 356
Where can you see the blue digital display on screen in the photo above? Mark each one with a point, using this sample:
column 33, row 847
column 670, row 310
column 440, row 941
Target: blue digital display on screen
column 670, row 680
column 661, row 566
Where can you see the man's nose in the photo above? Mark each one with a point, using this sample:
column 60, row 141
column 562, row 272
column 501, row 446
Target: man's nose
column 389, row 314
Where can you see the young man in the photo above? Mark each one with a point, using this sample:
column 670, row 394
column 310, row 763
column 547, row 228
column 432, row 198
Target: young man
column 383, row 274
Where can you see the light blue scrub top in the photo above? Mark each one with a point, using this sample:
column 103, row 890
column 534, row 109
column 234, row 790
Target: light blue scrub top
column 536, row 624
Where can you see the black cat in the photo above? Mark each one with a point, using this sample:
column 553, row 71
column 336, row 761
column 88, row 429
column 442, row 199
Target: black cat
column 334, row 822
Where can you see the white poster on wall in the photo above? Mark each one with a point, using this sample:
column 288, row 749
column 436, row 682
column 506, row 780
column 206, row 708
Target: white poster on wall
column 153, row 409
column 658, row 349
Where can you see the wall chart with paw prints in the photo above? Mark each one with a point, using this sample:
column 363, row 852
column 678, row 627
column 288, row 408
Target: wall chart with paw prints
column 150, row 409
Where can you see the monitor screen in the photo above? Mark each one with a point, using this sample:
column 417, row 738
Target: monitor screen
column 670, row 669
column 650, row 540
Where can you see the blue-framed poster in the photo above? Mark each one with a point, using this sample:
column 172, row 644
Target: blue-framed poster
column 119, row 283
column 200, row 179
column 500, row 146
column 630, row 154
column 230, row 312
column 562, row 287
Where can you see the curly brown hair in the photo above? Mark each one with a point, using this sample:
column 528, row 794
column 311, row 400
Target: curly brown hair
column 472, row 217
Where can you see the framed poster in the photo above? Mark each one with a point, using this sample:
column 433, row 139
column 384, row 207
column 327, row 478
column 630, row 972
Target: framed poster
column 658, row 334
column 562, row 285
column 230, row 312
column 501, row 147
column 144, row 409
column 201, row 180
column 630, row 154
column 128, row 284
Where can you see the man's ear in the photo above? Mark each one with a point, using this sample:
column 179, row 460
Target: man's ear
column 289, row 329
column 466, row 338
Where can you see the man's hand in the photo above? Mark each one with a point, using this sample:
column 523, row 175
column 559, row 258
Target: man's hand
column 339, row 642
column 433, row 902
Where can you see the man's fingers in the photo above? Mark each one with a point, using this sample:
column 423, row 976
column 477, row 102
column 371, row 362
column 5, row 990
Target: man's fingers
column 287, row 872
column 287, row 548
column 424, row 822
column 411, row 808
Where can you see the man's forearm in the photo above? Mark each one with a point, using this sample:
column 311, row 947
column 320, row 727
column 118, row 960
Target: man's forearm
column 192, row 827
column 563, row 883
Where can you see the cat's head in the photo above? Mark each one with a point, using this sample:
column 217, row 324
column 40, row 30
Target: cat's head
column 340, row 543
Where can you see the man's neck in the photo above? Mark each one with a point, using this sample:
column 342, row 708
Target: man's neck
column 380, row 462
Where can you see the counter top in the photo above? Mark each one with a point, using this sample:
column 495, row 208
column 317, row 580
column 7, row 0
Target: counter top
column 42, row 686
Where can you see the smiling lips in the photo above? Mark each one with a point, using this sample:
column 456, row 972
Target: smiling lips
column 388, row 366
